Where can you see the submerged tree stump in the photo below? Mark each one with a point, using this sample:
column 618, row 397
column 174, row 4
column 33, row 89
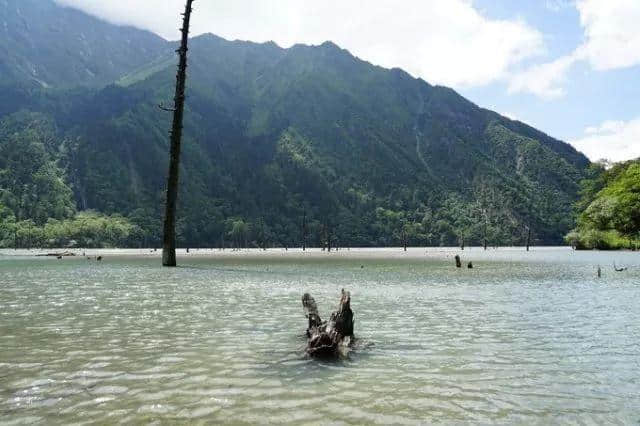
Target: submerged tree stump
column 333, row 338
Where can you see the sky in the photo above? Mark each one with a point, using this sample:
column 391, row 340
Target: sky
column 570, row 68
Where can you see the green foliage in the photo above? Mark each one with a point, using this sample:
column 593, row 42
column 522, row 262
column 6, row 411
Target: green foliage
column 238, row 232
column 610, row 217
column 32, row 185
column 86, row 230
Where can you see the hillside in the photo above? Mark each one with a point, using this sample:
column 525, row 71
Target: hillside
column 609, row 209
column 368, row 154
column 45, row 45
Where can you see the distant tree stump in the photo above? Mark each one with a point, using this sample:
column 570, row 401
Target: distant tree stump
column 458, row 262
column 333, row 338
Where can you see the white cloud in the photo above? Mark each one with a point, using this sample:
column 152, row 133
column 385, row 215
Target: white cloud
column 608, row 127
column 612, row 33
column 557, row 5
column 510, row 116
column 611, row 41
column 612, row 140
column 443, row 41
column 544, row 80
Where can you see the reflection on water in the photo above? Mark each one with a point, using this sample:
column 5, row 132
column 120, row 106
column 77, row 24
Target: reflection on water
column 523, row 337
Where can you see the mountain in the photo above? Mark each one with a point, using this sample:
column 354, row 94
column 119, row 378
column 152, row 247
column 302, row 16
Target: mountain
column 43, row 44
column 609, row 209
column 369, row 155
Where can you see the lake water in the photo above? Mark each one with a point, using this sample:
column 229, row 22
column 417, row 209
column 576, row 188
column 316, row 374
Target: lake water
column 521, row 338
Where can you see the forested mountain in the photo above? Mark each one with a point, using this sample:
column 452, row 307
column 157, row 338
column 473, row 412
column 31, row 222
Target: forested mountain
column 45, row 45
column 368, row 155
column 609, row 209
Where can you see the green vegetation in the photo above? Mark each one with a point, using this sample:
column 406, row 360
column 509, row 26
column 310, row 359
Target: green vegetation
column 373, row 156
column 85, row 230
column 36, row 204
column 609, row 216
column 45, row 45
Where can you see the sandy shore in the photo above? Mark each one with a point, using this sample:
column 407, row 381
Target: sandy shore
column 293, row 253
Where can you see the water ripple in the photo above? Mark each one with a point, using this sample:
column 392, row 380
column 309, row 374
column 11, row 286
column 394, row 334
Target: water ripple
column 517, row 340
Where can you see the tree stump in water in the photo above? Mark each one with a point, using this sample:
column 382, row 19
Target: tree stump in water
column 311, row 312
column 458, row 262
column 329, row 339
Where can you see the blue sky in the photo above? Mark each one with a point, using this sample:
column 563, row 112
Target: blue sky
column 591, row 97
column 568, row 67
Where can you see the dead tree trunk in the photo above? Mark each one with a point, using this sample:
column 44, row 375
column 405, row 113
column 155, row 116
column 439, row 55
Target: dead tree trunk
column 458, row 262
column 169, row 242
column 528, row 237
column 263, row 237
column 323, row 237
column 304, row 230
column 333, row 338
column 484, row 234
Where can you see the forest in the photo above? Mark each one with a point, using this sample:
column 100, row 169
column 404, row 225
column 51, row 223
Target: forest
column 608, row 212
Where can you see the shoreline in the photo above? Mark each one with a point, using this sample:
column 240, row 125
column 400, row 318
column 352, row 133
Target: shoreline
column 150, row 252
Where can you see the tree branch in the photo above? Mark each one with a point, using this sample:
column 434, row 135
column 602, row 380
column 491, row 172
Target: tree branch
column 164, row 108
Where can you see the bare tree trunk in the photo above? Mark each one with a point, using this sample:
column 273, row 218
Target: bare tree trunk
column 485, row 233
column 528, row 237
column 263, row 239
column 304, row 230
column 169, row 242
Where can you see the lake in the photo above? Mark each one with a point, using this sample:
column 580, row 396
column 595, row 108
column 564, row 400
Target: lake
column 523, row 337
